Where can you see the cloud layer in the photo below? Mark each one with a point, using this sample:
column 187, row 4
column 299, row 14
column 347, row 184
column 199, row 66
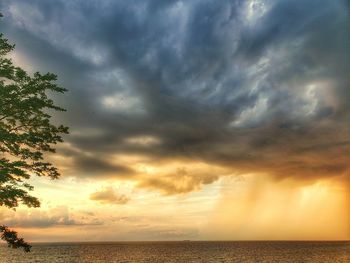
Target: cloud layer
column 54, row 217
column 256, row 86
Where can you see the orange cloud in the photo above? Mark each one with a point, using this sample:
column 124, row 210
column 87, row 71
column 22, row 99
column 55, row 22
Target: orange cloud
column 109, row 195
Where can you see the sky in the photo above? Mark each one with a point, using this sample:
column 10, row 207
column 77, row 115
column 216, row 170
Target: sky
column 197, row 119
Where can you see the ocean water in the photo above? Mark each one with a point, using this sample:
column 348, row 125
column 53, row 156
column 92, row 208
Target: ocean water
column 184, row 252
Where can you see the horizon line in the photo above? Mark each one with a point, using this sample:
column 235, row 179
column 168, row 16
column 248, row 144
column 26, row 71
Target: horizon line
column 188, row 240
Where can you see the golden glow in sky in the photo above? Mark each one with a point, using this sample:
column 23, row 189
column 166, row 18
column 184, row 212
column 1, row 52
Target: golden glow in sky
column 244, row 207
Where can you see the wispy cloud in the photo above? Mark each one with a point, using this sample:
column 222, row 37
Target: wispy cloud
column 58, row 216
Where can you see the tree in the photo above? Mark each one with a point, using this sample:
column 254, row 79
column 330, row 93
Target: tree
column 26, row 134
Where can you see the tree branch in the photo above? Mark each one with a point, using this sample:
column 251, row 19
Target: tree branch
column 13, row 240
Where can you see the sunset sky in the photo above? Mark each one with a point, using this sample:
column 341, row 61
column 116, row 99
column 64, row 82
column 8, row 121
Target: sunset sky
column 196, row 119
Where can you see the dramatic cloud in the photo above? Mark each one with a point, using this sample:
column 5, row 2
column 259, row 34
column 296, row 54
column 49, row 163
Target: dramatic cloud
column 255, row 86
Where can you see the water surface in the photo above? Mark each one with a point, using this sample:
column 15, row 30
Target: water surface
column 187, row 252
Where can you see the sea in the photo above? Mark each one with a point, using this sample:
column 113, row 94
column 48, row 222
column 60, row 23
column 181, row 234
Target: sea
column 182, row 252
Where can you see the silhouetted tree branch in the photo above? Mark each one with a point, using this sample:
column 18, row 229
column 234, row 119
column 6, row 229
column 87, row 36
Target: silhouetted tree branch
column 12, row 239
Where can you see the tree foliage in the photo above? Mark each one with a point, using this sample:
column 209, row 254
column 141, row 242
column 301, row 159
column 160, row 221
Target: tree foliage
column 12, row 239
column 26, row 134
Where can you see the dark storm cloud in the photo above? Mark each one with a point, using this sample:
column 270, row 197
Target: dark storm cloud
column 258, row 86
column 95, row 165
column 86, row 164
